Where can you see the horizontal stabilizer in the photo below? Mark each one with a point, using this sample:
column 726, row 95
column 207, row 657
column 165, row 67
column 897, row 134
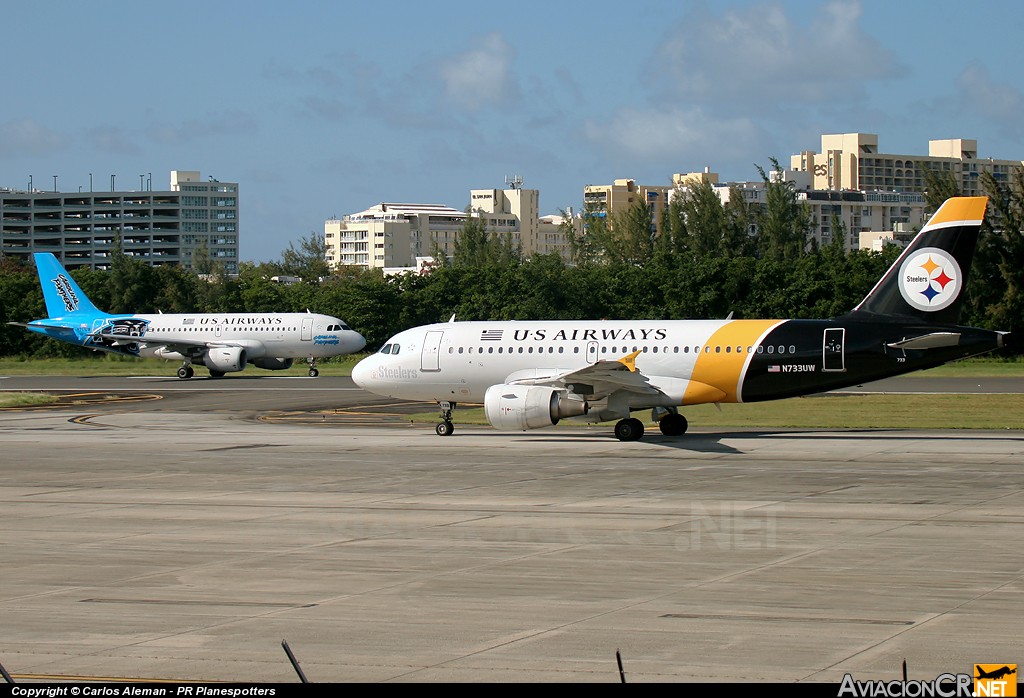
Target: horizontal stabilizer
column 58, row 328
column 928, row 341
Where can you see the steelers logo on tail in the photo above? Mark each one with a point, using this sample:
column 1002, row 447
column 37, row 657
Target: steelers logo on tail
column 930, row 279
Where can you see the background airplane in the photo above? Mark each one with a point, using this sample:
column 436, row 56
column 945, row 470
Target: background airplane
column 223, row 342
column 532, row 374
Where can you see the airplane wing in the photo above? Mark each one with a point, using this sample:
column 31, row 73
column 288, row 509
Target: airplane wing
column 186, row 347
column 599, row 379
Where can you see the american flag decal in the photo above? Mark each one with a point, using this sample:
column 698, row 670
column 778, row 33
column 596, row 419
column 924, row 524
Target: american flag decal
column 188, row 321
column 774, row 368
column 491, row 335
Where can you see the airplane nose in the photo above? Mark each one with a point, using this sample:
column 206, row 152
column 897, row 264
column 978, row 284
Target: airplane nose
column 358, row 341
column 361, row 373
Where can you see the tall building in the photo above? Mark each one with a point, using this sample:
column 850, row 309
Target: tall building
column 899, row 214
column 605, row 200
column 391, row 234
column 158, row 227
column 396, row 234
column 852, row 161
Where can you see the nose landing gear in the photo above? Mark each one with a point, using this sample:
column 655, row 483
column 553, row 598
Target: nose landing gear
column 445, row 427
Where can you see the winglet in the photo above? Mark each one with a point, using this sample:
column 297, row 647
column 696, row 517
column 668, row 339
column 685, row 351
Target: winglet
column 629, row 360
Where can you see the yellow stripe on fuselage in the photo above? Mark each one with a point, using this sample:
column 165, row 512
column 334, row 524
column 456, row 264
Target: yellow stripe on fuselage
column 720, row 365
column 960, row 209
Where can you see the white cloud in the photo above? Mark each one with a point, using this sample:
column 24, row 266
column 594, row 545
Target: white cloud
column 28, row 137
column 480, row 77
column 757, row 54
column 686, row 137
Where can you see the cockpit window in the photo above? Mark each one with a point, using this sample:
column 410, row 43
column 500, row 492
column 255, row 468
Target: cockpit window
column 395, row 347
column 343, row 326
column 386, row 349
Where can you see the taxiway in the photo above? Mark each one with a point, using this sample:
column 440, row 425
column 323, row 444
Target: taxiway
column 145, row 541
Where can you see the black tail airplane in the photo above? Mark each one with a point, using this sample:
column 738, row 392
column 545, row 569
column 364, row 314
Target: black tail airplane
column 532, row 374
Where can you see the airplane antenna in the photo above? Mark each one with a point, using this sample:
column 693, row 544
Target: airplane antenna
column 452, row 318
column 513, row 181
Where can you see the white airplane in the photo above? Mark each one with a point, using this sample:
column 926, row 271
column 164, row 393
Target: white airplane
column 532, row 374
column 223, row 342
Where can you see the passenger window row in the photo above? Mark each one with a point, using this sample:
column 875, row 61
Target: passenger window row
column 761, row 349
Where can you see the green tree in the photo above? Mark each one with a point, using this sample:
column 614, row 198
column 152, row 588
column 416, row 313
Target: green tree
column 632, row 236
column 784, row 223
column 706, row 220
column 308, row 261
column 999, row 285
column 476, row 246
column 132, row 287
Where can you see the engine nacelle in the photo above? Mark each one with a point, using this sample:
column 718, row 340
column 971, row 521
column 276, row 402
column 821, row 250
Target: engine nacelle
column 225, row 359
column 525, row 407
column 272, row 364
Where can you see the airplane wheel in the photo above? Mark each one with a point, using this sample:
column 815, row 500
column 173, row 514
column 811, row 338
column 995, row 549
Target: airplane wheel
column 629, row 429
column 216, row 374
column 313, row 373
column 185, row 372
column 673, row 425
column 444, row 428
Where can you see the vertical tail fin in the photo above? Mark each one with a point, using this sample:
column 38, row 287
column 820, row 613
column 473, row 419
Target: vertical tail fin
column 928, row 281
column 62, row 295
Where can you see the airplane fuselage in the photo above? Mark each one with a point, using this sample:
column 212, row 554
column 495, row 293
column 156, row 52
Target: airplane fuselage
column 689, row 361
column 278, row 335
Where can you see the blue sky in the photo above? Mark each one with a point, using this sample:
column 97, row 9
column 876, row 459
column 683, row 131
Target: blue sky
column 321, row 109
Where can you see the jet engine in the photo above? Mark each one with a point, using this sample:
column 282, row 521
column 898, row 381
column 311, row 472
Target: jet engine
column 225, row 359
column 525, row 407
column 272, row 364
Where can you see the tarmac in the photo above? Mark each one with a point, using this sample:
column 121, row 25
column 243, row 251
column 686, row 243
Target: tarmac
column 170, row 538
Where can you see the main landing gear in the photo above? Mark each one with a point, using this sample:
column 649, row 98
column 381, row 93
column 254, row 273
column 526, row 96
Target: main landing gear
column 185, row 372
column 673, row 424
column 631, row 429
column 445, row 426
column 313, row 372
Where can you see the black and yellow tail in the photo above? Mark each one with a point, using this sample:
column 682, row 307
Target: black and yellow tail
column 929, row 280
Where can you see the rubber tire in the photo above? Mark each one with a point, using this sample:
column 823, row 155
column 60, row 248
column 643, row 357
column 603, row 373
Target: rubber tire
column 216, row 374
column 444, row 428
column 313, row 373
column 185, row 372
column 630, row 429
column 673, row 425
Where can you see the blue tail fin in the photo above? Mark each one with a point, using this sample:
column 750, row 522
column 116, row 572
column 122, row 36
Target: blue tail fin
column 61, row 293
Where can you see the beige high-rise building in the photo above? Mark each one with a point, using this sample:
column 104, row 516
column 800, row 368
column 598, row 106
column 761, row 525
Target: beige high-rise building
column 853, row 161
column 606, row 200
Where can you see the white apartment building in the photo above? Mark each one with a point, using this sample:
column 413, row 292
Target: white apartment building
column 158, row 227
column 396, row 234
column 391, row 234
